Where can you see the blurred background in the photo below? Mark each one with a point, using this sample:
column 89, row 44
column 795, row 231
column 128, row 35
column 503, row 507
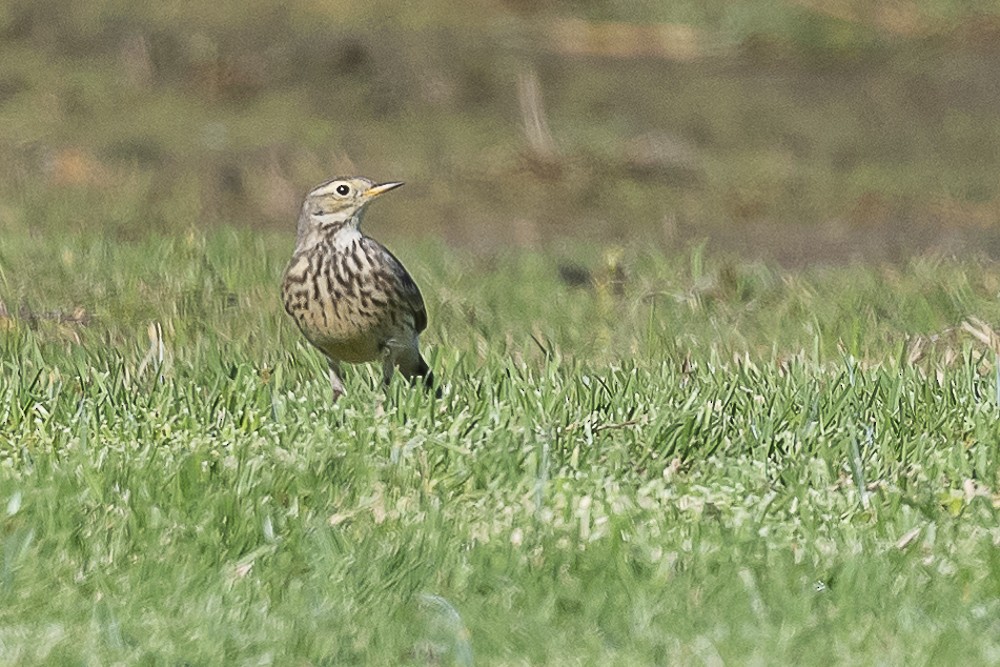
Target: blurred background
column 798, row 131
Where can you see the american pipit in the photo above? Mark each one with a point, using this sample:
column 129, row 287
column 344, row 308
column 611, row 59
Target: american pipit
column 349, row 295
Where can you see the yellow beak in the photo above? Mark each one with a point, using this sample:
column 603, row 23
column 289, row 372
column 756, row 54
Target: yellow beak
column 376, row 190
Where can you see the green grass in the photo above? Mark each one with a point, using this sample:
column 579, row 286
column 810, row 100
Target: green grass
column 691, row 458
column 724, row 461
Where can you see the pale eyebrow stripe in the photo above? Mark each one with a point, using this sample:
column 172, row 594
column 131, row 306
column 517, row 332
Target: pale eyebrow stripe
column 326, row 188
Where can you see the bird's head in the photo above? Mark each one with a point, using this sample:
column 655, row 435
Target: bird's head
column 340, row 203
column 342, row 200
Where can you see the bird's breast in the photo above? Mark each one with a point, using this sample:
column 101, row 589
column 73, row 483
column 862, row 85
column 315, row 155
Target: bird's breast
column 341, row 302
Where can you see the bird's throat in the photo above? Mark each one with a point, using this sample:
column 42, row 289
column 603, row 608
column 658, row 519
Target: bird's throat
column 345, row 236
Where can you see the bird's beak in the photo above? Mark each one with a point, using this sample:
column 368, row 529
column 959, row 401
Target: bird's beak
column 376, row 190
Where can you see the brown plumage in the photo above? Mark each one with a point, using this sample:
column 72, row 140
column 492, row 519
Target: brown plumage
column 350, row 296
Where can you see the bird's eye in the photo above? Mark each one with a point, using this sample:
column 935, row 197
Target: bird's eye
column 343, row 189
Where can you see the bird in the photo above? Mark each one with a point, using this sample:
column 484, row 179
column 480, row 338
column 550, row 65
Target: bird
column 350, row 297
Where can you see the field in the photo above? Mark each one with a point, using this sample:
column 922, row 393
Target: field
column 714, row 327
column 729, row 463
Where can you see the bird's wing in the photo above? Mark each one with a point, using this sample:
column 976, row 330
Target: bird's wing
column 408, row 291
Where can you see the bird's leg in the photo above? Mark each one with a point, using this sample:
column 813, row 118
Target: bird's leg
column 335, row 383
